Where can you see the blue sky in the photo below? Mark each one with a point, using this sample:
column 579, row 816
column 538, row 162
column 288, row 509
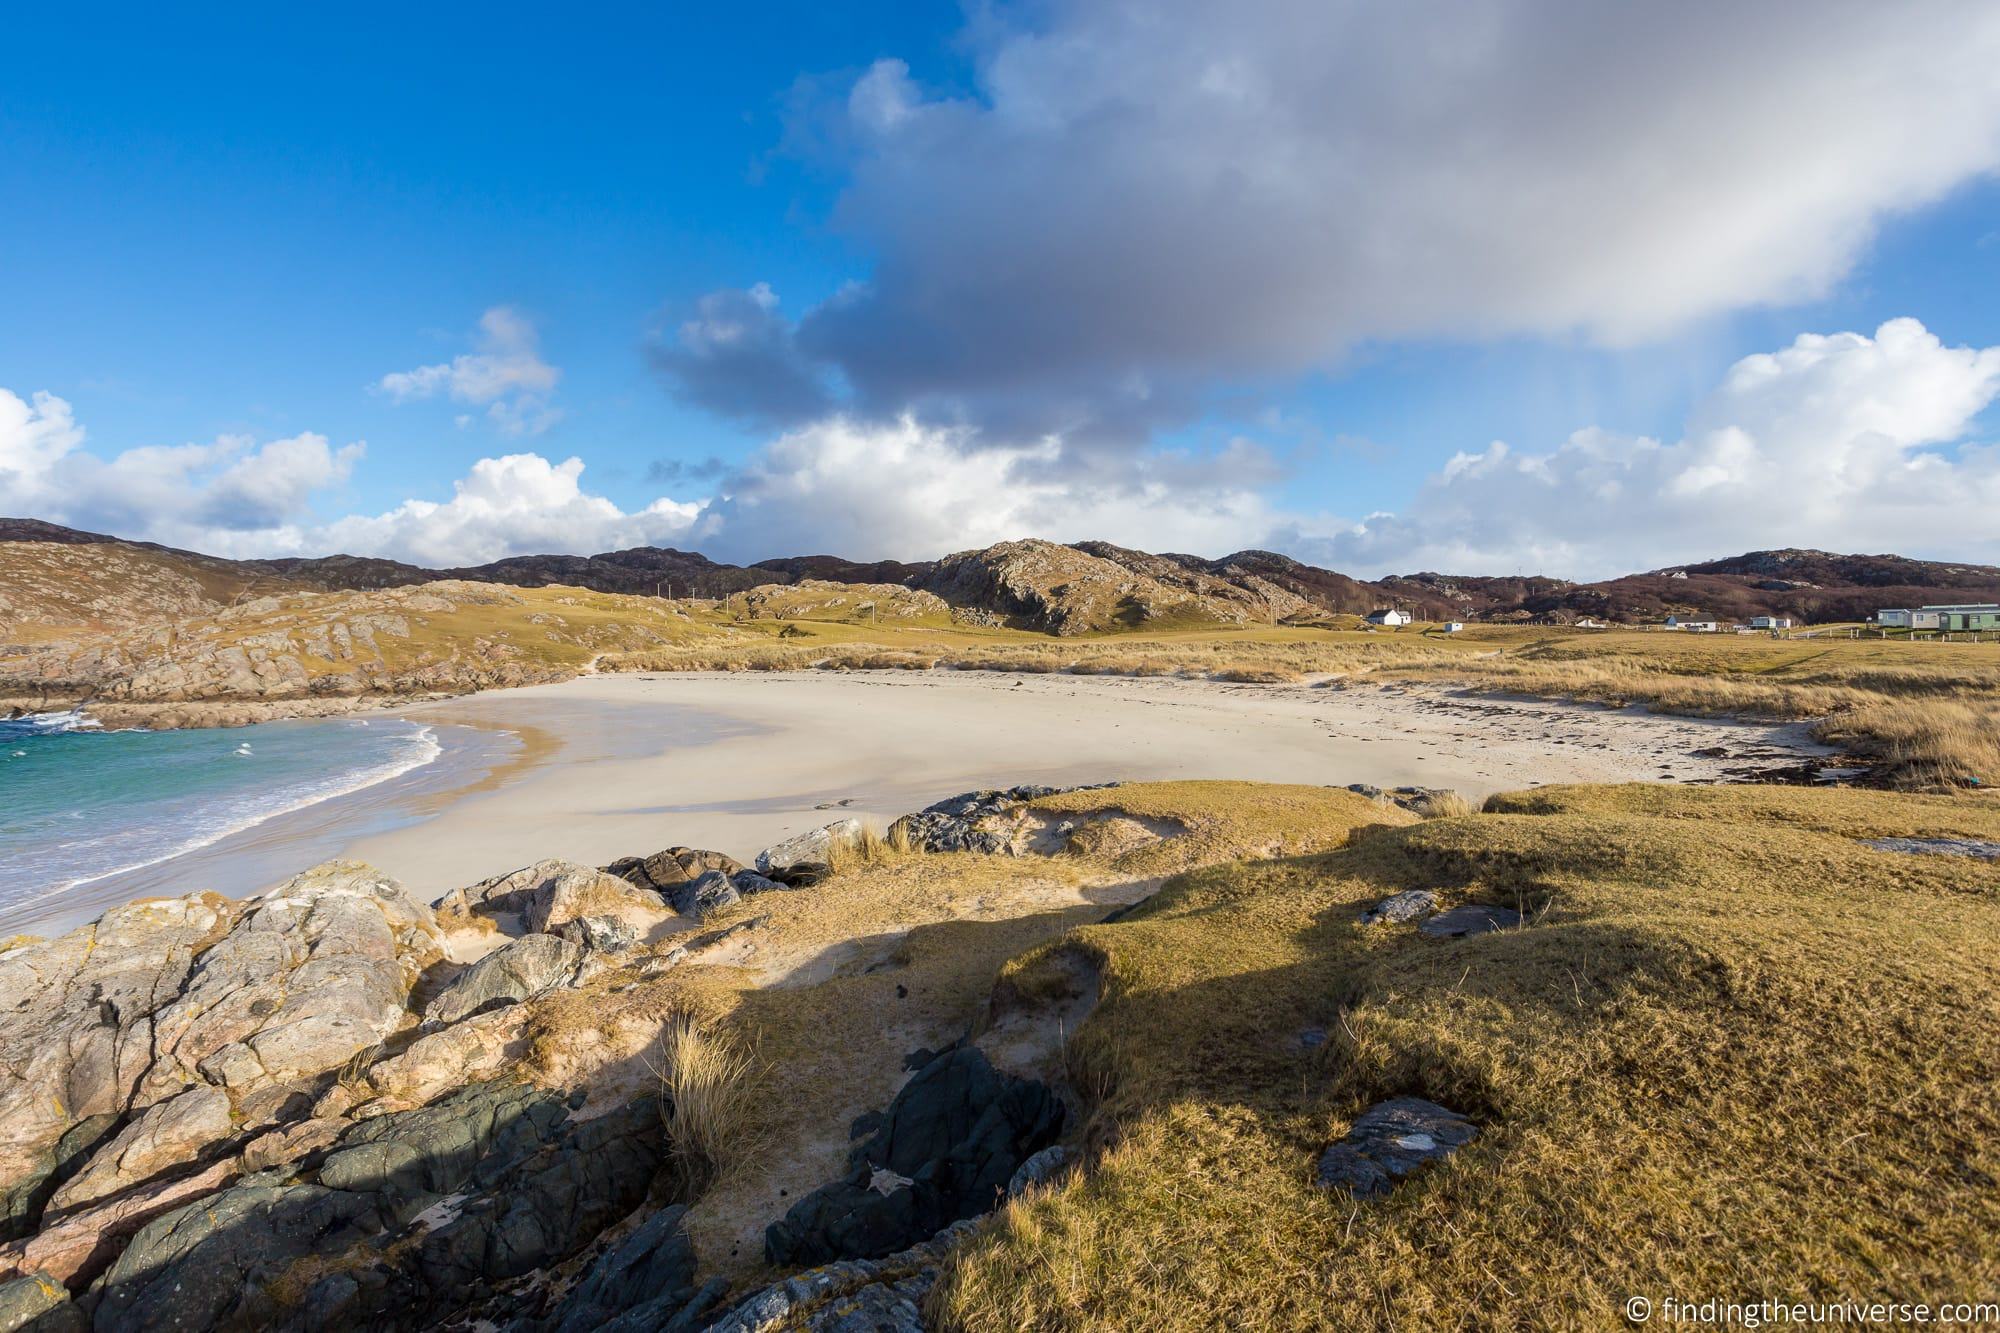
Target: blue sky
column 232, row 225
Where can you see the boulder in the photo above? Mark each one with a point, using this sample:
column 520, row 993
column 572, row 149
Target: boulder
column 707, row 892
column 676, row 865
column 1476, row 919
column 1389, row 1141
column 540, row 898
column 1398, row 908
column 600, row 934
column 802, row 875
column 814, row 845
column 169, row 1135
column 310, row 974
column 944, row 1150
column 37, row 1302
column 516, row 971
column 1043, row 1167
column 77, row 1034
column 749, row 881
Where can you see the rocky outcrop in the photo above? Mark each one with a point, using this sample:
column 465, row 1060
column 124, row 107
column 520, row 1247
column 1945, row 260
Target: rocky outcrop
column 516, row 971
column 78, row 1033
column 643, row 1284
column 541, row 898
column 438, row 1205
column 312, row 973
column 975, row 821
column 945, row 1149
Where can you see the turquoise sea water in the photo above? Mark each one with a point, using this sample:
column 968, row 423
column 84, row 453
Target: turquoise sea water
column 78, row 803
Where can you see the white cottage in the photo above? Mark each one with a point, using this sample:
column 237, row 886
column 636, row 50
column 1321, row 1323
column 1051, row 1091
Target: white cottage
column 1389, row 617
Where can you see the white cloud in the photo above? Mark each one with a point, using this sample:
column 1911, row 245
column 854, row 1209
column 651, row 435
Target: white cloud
column 220, row 496
column 903, row 490
column 520, row 504
column 506, row 376
column 1830, row 442
column 1848, row 442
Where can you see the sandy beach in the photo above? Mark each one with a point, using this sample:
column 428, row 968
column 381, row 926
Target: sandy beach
column 782, row 752
column 613, row 765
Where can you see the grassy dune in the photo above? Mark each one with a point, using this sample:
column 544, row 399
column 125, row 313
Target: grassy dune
column 1734, row 1053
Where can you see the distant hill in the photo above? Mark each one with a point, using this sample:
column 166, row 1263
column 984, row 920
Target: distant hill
column 1047, row 586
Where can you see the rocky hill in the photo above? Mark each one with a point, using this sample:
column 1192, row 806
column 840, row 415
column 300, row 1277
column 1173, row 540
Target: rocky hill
column 1084, row 587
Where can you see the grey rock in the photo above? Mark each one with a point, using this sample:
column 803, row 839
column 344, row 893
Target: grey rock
column 600, row 934
column 749, row 881
column 664, row 1315
column 1416, row 800
column 481, row 1187
column 814, row 845
column 38, row 1302
column 826, row 1289
column 648, row 1276
column 1400, row 907
column 1973, row 847
column 1476, row 919
column 207, row 1265
column 880, row 1307
column 518, row 970
column 709, row 891
column 1389, row 1141
column 974, row 821
column 1043, row 1167
column 944, row 1150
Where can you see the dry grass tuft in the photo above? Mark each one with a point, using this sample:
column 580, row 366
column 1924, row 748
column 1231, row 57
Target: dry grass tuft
column 1443, row 805
column 707, row 1080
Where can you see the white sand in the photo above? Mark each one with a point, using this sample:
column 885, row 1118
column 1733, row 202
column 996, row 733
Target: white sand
column 737, row 761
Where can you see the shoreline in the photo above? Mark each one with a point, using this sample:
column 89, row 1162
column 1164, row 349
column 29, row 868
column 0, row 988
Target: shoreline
column 611, row 765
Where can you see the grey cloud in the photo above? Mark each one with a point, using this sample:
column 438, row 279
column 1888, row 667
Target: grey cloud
column 1143, row 202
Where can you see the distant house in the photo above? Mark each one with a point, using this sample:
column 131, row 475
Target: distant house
column 1389, row 617
column 1770, row 622
column 1907, row 618
column 1951, row 617
column 1590, row 622
column 1694, row 622
column 1968, row 616
column 1453, row 626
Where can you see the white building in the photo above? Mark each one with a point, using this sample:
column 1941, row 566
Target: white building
column 1770, row 622
column 1694, row 622
column 1389, row 617
column 1907, row 618
column 1453, row 626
